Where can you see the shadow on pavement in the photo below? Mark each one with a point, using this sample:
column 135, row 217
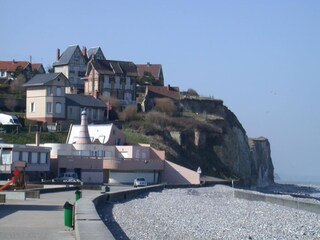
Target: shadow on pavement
column 8, row 209
column 105, row 213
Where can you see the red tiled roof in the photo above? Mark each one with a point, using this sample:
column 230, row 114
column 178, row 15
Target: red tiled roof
column 11, row 66
column 35, row 66
column 154, row 69
column 168, row 91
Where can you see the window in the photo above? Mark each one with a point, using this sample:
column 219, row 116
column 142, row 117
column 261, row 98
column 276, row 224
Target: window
column 128, row 83
column 32, row 107
column 15, row 156
column 34, row 157
column 25, row 156
column 43, row 157
column 70, row 111
column 49, row 91
column 106, row 82
column 58, row 107
column 59, row 91
column 117, row 85
column 94, row 113
column 6, row 157
column 49, row 107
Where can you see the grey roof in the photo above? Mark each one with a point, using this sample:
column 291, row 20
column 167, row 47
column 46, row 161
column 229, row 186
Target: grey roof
column 113, row 67
column 92, row 51
column 66, row 56
column 42, row 79
column 84, row 101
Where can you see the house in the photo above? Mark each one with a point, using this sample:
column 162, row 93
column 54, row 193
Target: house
column 36, row 160
column 155, row 70
column 98, row 154
column 72, row 63
column 94, row 106
column 10, row 70
column 45, row 97
column 154, row 92
column 37, row 68
column 111, row 78
column 96, row 53
column 48, row 102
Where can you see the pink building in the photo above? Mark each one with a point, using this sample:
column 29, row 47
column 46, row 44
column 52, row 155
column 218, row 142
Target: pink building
column 98, row 154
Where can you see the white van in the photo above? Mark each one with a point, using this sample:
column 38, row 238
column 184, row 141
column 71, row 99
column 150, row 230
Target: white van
column 6, row 119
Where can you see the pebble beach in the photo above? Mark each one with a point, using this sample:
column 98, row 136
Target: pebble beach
column 206, row 213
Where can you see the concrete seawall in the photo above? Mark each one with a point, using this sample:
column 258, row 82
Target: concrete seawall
column 296, row 203
column 88, row 224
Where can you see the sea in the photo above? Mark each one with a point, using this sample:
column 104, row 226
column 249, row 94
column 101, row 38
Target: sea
column 308, row 189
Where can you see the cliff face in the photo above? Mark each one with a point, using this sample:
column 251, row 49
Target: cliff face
column 248, row 159
column 213, row 139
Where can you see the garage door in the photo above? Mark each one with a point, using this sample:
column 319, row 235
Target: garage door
column 128, row 177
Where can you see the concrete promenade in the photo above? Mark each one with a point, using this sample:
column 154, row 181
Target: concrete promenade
column 38, row 218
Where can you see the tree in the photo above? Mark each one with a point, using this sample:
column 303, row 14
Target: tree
column 192, row 93
column 10, row 102
column 129, row 113
column 16, row 86
column 148, row 79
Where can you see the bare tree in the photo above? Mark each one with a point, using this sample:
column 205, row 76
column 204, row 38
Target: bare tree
column 10, row 102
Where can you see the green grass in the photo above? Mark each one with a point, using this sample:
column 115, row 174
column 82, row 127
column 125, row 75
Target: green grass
column 29, row 138
column 134, row 137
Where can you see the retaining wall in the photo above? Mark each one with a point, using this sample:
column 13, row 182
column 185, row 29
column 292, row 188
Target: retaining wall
column 296, row 203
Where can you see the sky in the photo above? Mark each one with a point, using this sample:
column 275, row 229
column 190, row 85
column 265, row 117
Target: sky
column 262, row 58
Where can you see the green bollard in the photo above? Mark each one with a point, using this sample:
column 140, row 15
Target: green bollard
column 68, row 214
column 78, row 195
column 105, row 188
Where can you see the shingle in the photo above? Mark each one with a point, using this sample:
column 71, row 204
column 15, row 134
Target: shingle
column 41, row 79
column 115, row 67
column 154, row 69
column 11, row 66
column 84, row 101
column 66, row 56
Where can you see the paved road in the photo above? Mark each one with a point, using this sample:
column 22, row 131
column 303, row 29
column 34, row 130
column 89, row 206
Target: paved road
column 36, row 218
column 42, row 218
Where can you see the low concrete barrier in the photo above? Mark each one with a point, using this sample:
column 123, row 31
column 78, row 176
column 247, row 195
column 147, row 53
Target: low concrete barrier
column 14, row 195
column 126, row 194
column 32, row 194
column 2, row 198
column 292, row 203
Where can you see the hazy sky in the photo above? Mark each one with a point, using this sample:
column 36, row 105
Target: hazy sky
column 262, row 58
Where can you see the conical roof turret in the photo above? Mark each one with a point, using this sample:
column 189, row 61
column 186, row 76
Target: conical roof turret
column 83, row 136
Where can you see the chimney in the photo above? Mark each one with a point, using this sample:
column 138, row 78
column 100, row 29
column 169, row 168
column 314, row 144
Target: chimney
column 96, row 94
column 37, row 138
column 168, row 87
column 84, row 52
column 149, row 64
column 83, row 137
column 58, row 54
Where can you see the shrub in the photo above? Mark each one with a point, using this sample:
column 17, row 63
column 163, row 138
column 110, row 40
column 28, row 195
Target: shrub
column 165, row 105
column 129, row 113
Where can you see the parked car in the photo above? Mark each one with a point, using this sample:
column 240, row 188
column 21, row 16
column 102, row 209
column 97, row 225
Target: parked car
column 68, row 177
column 139, row 182
column 7, row 119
